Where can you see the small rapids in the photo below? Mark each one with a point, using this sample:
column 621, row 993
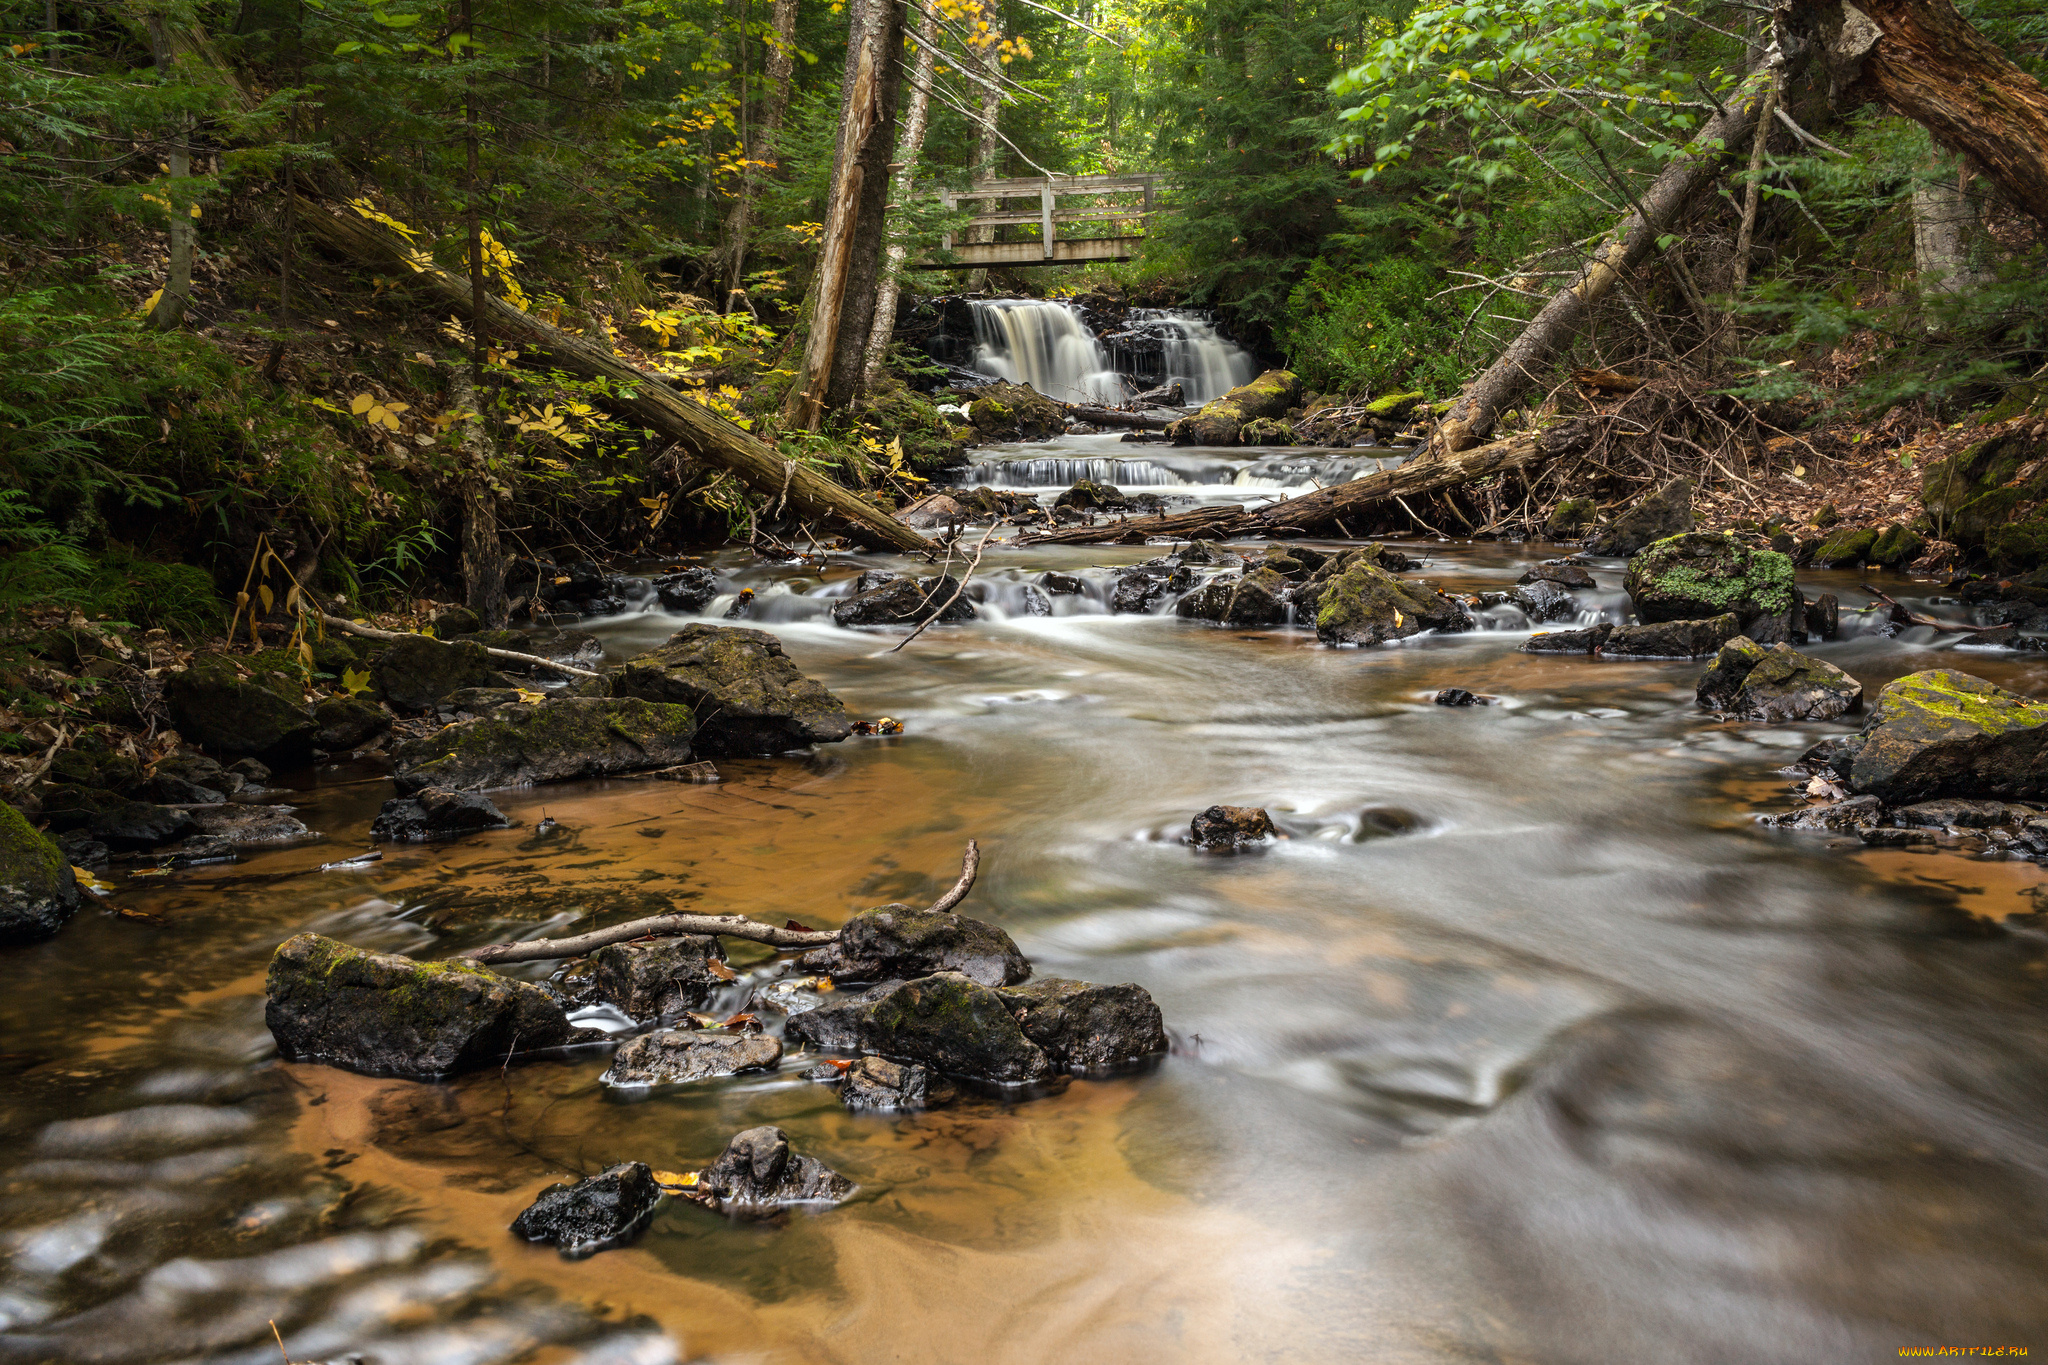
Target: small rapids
column 1046, row 344
column 1200, row 474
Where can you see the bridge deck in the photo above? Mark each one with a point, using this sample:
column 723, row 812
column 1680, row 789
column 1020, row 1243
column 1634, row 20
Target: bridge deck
column 1049, row 248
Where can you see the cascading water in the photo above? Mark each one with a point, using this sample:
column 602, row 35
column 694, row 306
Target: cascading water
column 1192, row 353
column 1046, row 345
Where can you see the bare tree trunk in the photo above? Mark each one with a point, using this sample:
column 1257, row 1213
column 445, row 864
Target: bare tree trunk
column 986, row 150
column 909, row 146
column 1753, row 192
column 483, row 558
column 1946, row 234
column 1924, row 60
column 176, row 294
column 855, row 215
column 1557, row 324
column 776, row 69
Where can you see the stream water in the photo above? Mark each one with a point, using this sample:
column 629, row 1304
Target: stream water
column 1527, row 1044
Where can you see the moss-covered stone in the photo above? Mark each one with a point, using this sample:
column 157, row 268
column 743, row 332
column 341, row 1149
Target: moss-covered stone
column 2018, row 547
column 1571, row 519
column 1825, row 516
column 946, row 1021
column 549, row 741
column 1945, row 733
column 1896, row 547
column 1222, row 422
column 38, row 891
column 1014, row 412
column 1702, row 574
column 415, row 672
column 263, row 714
column 1393, row 407
column 748, row 694
column 345, row 722
column 1366, row 605
column 385, row 1015
column 1984, row 488
column 1091, row 494
column 1662, row 514
column 1088, row 1028
column 1778, row 685
column 1845, row 549
column 1265, row 431
column 1240, row 601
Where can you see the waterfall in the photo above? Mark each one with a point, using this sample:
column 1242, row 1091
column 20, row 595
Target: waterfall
column 1043, row 344
column 1206, row 365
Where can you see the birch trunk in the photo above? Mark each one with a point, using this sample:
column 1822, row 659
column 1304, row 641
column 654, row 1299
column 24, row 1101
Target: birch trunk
column 775, row 73
column 909, row 147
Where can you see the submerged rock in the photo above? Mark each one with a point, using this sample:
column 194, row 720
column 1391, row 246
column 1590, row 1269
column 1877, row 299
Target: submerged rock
column 115, row 821
column 436, row 813
column 414, row 672
column 214, row 706
column 746, row 692
column 38, row 891
column 659, row 978
column 587, row 1216
column 759, row 1170
column 547, row 741
column 877, row 1083
column 1458, row 696
column 244, row 824
column 1226, row 828
column 1945, row 733
column 1366, row 605
column 895, row 942
column 689, row 591
column 1241, row 601
column 1702, row 575
column 1666, row 512
column 674, row 1056
column 1854, row 813
column 1672, row 639
column 1955, row 813
column 385, row 1015
column 1777, row 684
column 1085, row 1027
column 945, row 1020
column 905, row 602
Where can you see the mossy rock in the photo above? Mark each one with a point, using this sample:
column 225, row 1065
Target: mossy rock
column 555, row 740
column 38, row 891
column 1014, row 412
column 263, row 714
column 1896, row 547
column 1222, row 422
column 1825, row 516
column 748, row 694
column 1395, row 406
column 2019, row 547
column 896, row 941
column 1945, row 733
column 1366, row 605
column 1658, row 516
column 1985, row 488
column 1571, row 519
column 385, row 1015
column 1091, row 494
column 2019, row 400
column 1239, row 601
column 415, row 672
column 945, row 1021
column 1265, row 431
column 85, row 767
column 1702, row 574
column 1845, row 549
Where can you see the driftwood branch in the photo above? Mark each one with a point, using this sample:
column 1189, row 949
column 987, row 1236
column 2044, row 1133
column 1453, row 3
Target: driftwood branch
column 371, row 632
column 1905, row 617
column 725, row 926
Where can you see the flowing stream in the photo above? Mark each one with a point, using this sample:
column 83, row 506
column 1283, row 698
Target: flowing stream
column 1046, row 344
column 1525, row 1044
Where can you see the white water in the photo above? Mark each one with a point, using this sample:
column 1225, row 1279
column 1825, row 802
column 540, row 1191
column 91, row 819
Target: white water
column 1193, row 472
column 1043, row 344
column 1206, row 365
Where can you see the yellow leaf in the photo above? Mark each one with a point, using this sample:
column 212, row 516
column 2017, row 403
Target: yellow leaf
column 530, row 697
column 263, row 591
column 195, row 210
column 90, row 882
column 361, row 404
column 675, row 1180
column 306, row 653
column 356, row 680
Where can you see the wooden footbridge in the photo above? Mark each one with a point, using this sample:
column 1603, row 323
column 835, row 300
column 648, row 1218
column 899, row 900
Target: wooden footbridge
column 1119, row 204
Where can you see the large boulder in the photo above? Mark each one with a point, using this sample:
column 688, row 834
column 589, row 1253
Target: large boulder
column 547, row 741
column 946, row 1021
column 1086, row 1027
column 586, row 1216
column 1241, row 601
column 1664, row 513
column 1704, row 574
column 1944, row 733
column 689, row 591
column 1014, row 412
column 115, row 821
column 1672, row 639
column 759, row 1170
column 1222, row 422
column 1366, row 605
column 416, row 671
column 435, row 813
column 905, row 602
column 1776, row 684
column 38, row 891
column 344, row 722
column 1987, row 498
column 674, row 1056
column 748, row 695
column 658, row 978
column 231, row 710
column 385, row 1015
column 895, row 941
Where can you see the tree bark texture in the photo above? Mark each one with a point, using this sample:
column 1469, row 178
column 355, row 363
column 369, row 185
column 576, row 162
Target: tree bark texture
column 775, row 73
column 1557, row 324
column 1924, row 60
column 855, row 216
column 704, row 435
column 176, row 295
column 986, row 149
column 483, row 558
column 1946, row 234
column 910, row 145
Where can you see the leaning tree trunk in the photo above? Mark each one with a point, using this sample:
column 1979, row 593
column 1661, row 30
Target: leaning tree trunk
column 1557, row 324
column 704, row 436
column 176, row 295
column 855, row 216
column 776, row 69
column 1924, row 60
column 909, row 146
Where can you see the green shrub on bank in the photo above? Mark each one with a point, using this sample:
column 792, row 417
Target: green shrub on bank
column 1372, row 328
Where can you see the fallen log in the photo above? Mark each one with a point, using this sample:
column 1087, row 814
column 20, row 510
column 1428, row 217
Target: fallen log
column 1111, row 417
column 1211, row 522
column 702, row 433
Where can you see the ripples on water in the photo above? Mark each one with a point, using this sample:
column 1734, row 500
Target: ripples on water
column 1526, row 1044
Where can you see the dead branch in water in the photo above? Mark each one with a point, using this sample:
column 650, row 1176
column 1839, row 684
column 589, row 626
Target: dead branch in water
column 725, row 926
column 371, row 632
column 1902, row 616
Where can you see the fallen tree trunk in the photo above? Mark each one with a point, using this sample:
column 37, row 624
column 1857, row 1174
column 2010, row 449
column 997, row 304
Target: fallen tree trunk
column 1557, row 324
column 707, row 437
column 1110, row 417
column 1314, row 511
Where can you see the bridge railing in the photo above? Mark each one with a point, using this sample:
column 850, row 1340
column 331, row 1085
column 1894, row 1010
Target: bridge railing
column 1135, row 192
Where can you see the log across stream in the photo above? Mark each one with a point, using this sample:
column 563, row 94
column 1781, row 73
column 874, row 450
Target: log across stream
column 1522, row 1037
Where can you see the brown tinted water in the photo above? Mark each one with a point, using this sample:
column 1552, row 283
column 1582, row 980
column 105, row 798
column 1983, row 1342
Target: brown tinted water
column 1527, row 1044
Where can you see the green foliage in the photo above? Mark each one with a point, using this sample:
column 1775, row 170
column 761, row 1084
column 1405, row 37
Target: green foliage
column 1372, row 329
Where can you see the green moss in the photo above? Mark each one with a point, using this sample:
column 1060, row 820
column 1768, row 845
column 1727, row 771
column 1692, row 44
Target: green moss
column 2019, row 546
column 1845, row 548
column 1394, row 406
column 1896, row 547
column 1962, row 698
column 26, row 857
column 1826, row 516
column 1571, row 518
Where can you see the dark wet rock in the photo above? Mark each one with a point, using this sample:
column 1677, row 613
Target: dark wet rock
column 1034, row 601
column 80, row 849
column 1666, row 512
column 1565, row 575
column 434, row 813
column 84, row 767
column 38, row 891
column 934, row 511
column 590, row 1215
column 1891, row 836
column 1241, row 601
column 450, row 621
column 748, row 695
column 547, row 741
column 1543, row 600
column 250, row 770
column 1458, row 696
column 905, row 602
column 1221, row 423
column 1222, row 828
column 1945, row 733
column 895, row 941
column 1391, row 559
column 200, row 850
column 759, row 1170
column 1850, row 814
column 1722, row 681
column 1587, row 641
column 481, row 701
column 1672, row 639
column 189, row 777
column 1843, row 549
column 1086, row 1027
column 1704, row 574
column 878, row 1083
column 415, row 672
column 873, row 578
column 1833, row 757
column 1777, row 684
column 946, row 1021
column 115, row 821
column 386, row 1015
column 1366, row 605
column 250, row 824
column 674, row 1056
column 1062, row 584
column 1824, row 617
column 345, row 722
column 689, row 591
column 660, row 978
column 214, row 706
column 1955, row 813
column 1136, row 590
